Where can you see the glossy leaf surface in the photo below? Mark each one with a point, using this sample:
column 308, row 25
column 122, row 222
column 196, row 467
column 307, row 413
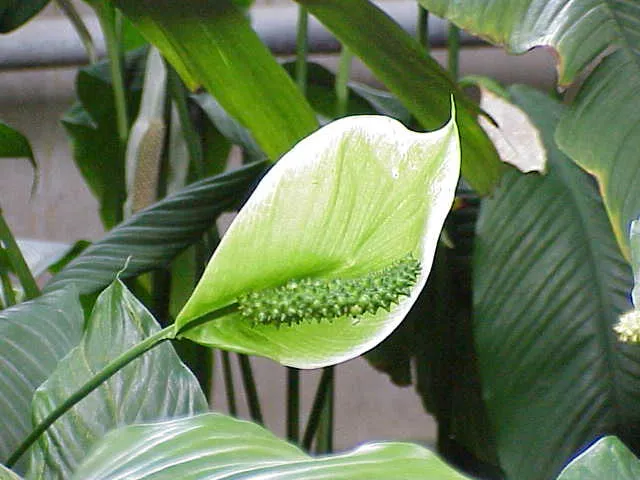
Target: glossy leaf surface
column 414, row 77
column 211, row 44
column 14, row 144
column 221, row 447
column 156, row 386
column 34, row 336
column 607, row 458
column 599, row 131
column 349, row 200
column 157, row 234
column 549, row 283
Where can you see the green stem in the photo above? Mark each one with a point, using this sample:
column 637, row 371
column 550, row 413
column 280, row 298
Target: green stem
column 81, row 29
column 342, row 82
column 108, row 21
column 293, row 404
column 302, row 48
column 113, row 367
column 250, row 389
column 422, row 31
column 227, row 373
column 324, row 387
column 7, row 287
column 453, row 51
column 17, row 261
column 324, row 436
column 94, row 382
column 178, row 94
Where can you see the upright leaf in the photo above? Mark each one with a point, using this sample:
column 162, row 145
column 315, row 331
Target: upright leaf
column 599, row 131
column 347, row 202
column 34, row 336
column 215, row 446
column 549, row 283
column 156, row 386
column 157, row 234
column 91, row 125
column 415, row 78
column 211, row 44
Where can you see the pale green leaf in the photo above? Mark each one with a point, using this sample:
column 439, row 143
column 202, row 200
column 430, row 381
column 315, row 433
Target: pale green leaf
column 214, row 446
column 156, row 386
column 349, row 200
column 608, row 458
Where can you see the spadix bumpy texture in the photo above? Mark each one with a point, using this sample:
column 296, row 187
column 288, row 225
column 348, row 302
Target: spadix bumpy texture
column 315, row 299
column 346, row 203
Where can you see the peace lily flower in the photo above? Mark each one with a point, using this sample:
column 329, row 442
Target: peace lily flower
column 346, row 205
column 628, row 326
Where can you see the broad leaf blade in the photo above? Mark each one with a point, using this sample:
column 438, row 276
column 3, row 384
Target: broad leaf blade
column 349, row 200
column 415, row 78
column 155, row 235
column 599, row 131
column 34, row 336
column 214, row 446
column 6, row 474
column 212, row 44
column 549, row 283
column 156, row 386
column 607, row 458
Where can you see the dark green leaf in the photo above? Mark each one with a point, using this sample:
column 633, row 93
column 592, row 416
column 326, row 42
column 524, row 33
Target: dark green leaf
column 34, row 336
column 15, row 145
column 14, row 13
column 214, row 446
column 211, row 43
column 549, row 283
column 599, row 131
column 155, row 235
column 608, row 458
column 156, row 386
column 91, row 124
column 414, row 77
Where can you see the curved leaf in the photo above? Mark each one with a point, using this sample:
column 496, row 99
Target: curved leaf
column 155, row 235
column 14, row 13
column 215, row 446
column 414, row 77
column 34, row 336
column 350, row 199
column 607, row 458
column 6, row 474
column 600, row 130
column 549, row 283
column 212, row 44
column 156, row 386
column 14, row 144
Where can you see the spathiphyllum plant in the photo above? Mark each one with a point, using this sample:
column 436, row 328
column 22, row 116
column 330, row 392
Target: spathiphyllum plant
column 329, row 253
column 322, row 263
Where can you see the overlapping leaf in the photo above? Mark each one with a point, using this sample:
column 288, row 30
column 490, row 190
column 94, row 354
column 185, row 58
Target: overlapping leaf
column 34, row 336
column 211, row 44
column 549, row 283
column 600, row 130
column 155, row 235
column 156, row 386
column 415, row 78
column 221, row 447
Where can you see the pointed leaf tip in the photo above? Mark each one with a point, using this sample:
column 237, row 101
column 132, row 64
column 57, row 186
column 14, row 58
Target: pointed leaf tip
column 353, row 198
